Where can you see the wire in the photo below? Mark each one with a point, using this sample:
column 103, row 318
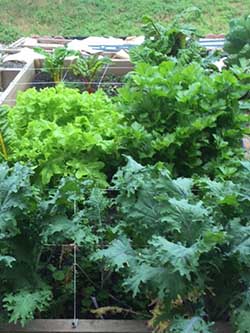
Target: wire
column 73, row 82
column 75, row 321
column 75, row 286
column 103, row 74
column 35, row 69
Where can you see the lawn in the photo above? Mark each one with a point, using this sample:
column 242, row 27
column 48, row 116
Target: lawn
column 107, row 17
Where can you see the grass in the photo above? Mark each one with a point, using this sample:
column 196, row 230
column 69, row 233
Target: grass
column 107, row 17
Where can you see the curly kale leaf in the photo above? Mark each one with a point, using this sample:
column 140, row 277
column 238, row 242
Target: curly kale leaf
column 23, row 304
column 15, row 189
column 7, row 260
column 191, row 325
column 237, row 43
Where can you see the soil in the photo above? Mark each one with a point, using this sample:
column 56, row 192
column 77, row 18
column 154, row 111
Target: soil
column 109, row 84
column 42, row 80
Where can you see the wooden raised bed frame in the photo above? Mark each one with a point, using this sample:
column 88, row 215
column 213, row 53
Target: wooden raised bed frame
column 15, row 80
column 90, row 326
column 22, row 80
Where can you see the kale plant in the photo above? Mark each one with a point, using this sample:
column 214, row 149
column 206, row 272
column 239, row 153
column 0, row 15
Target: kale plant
column 237, row 43
column 184, row 245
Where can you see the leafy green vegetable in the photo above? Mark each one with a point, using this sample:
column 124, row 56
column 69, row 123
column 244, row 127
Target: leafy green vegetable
column 88, row 68
column 17, row 256
column 54, row 62
column 178, row 240
column 176, row 41
column 184, row 117
column 162, row 43
column 63, row 132
column 4, row 135
column 195, row 324
column 39, row 230
column 7, row 260
column 119, row 253
column 23, row 305
column 14, row 196
column 174, row 234
column 237, row 43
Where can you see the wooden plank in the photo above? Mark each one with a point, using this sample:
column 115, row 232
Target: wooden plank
column 17, row 42
column 50, row 46
column 120, row 67
column 1, row 83
column 90, row 326
column 10, row 51
column 13, row 69
column 221, row 327
column 84, row 326
column 8, row 75
column 20, row 83
column 51, row 40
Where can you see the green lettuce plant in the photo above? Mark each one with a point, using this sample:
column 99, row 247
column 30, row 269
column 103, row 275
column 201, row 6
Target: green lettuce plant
column 62, row 132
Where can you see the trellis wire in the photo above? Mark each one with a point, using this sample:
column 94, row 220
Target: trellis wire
column 75, row 321
column 103, row 74
column 98, row 83
column 35, row 69
column 77, row 266
column 80, row 82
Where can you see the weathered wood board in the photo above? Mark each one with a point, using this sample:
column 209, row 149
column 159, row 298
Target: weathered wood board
column 20, row 83
column 90, row 326
column 7, row 75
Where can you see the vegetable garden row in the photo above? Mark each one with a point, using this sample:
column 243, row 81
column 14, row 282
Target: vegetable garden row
column 135, row 200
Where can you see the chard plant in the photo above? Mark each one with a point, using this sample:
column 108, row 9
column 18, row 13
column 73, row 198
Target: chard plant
column 175, row 40
column 88, row 69
column 54, row 62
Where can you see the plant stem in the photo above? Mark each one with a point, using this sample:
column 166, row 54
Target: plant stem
column 4, row 150
column 56, row 77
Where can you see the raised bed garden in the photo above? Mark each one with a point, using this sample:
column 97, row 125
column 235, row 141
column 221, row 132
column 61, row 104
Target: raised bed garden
column 132, row 209
column 31, row 75
column 109, row 78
